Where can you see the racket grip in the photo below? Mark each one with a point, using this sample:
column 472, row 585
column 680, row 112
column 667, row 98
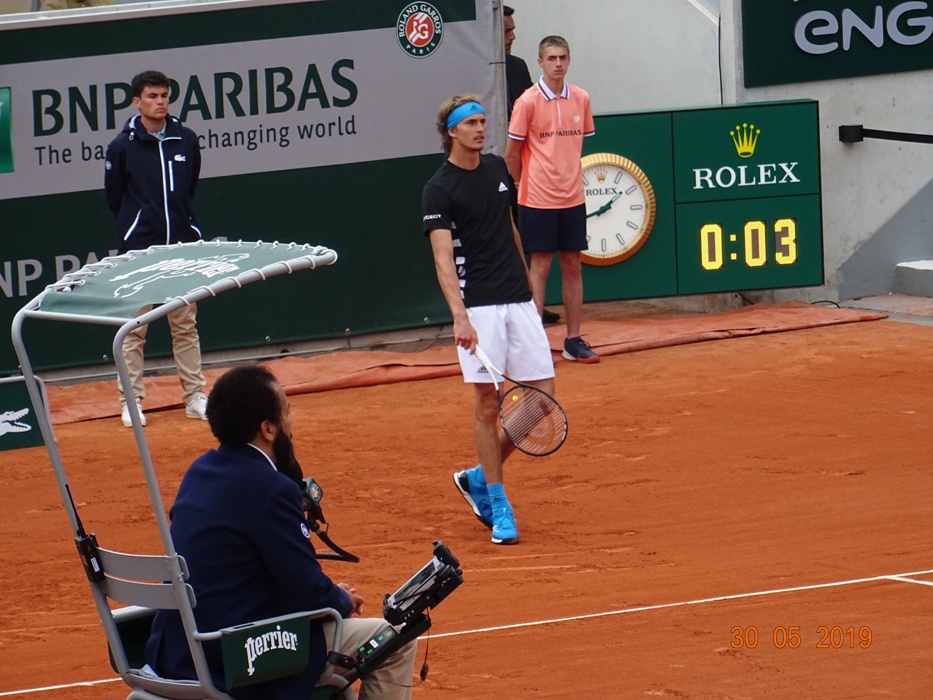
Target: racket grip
column 481, row 356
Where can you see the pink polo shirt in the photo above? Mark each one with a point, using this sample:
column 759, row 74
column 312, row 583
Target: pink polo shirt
column 552, row 127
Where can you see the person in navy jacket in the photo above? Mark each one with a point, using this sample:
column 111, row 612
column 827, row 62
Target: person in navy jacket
column 150, row 177
column 238, row 522
column 152, row 171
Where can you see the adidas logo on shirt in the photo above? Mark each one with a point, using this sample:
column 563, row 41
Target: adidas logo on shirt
column 502, row 187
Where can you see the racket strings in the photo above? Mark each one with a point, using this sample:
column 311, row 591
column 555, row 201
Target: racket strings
column 533, row 420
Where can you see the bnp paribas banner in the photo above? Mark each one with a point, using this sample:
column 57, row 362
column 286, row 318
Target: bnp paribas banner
column 316, row 122
column 317, row 98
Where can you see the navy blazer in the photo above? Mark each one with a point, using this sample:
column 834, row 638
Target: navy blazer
column 239, row 525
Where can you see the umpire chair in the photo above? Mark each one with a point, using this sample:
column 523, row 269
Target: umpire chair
column 111, row 292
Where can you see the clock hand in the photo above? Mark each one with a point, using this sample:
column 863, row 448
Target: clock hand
column 602, row 210
column 610, row 202
column 605, row 207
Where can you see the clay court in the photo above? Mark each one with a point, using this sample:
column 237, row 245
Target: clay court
column 740, row 518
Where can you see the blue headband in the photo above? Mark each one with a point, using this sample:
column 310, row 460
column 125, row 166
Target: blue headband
column 462, row 112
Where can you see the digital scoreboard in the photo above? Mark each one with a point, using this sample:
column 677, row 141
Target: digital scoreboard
column 701, row 201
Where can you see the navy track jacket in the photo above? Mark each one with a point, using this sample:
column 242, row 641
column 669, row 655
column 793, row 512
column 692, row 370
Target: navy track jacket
column 150, row 184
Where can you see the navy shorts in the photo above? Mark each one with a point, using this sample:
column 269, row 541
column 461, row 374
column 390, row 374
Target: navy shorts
column 550, row 230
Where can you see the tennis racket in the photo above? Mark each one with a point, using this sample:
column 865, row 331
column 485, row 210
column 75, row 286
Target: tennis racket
column 532, row 420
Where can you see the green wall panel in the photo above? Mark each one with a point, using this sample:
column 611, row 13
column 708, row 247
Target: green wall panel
column 795, row 42
column 384, row 278
column 645, row 139
column 715, row 166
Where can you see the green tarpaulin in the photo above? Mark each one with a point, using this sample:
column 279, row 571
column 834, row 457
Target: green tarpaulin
column 118, row 287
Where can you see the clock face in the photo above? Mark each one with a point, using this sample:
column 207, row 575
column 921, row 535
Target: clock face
column 620, row 208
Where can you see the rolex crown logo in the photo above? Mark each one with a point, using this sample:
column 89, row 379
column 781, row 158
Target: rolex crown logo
column 600, row 172
column 745, row 138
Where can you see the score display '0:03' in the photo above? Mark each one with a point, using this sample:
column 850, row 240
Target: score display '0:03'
column 712, row 250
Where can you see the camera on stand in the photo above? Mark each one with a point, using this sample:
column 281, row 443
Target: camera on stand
column 428, row 587
column 404, row 610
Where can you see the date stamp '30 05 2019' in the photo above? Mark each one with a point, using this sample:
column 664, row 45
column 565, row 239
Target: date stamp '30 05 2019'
column 791, row 637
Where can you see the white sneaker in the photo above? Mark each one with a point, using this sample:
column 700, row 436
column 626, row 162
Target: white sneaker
column 197, row 408
column 125, row 415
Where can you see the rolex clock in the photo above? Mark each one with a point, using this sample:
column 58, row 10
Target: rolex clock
column 620, row 208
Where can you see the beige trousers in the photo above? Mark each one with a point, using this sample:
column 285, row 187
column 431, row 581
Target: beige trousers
column 392, row 680
column 186, row 347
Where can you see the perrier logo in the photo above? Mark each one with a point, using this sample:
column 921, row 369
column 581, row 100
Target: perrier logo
column 420, row 29
column 6, row 131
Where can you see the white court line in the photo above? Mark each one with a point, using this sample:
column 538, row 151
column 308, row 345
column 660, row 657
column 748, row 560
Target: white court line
column 910, row 580
column 663, row 606
column 82, row 684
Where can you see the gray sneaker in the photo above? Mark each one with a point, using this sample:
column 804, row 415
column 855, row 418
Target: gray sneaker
column 578, row 350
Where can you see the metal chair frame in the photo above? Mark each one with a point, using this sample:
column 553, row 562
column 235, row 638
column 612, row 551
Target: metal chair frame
column 148, row 582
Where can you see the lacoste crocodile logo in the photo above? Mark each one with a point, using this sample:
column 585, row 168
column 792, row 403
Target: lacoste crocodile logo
column 10, row 422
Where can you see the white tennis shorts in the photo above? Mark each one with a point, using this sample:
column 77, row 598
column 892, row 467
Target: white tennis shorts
column 513, row 338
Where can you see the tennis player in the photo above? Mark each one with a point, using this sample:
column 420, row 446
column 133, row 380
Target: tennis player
column 482, row 274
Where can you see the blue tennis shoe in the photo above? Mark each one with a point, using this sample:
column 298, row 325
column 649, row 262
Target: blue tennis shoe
column 471, row 483
column 503, row 526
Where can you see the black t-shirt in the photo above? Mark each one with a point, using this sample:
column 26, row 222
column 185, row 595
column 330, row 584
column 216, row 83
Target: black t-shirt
column 517, row 80
column 474, row 205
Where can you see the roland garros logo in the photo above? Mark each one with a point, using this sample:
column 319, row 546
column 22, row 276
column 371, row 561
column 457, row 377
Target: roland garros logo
column 420, row 29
